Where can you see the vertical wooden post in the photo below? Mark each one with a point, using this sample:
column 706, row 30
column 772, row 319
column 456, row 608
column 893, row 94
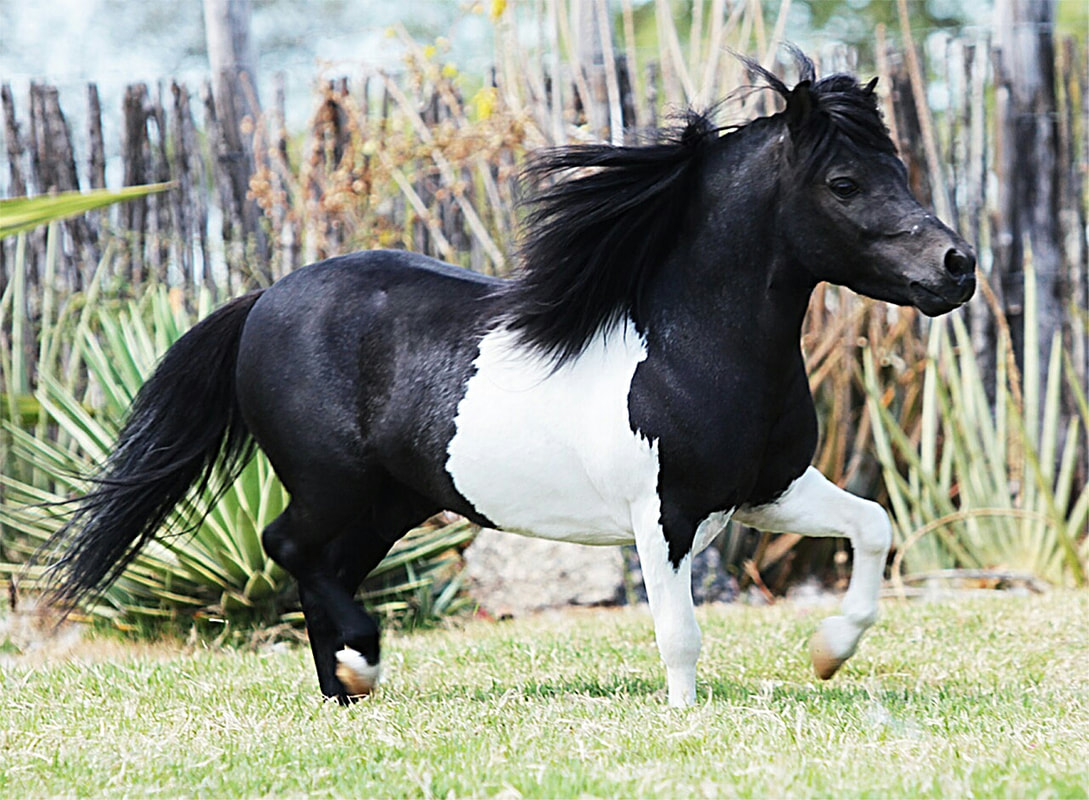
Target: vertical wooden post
column 1029, row 176
column 161, row 229
column 55, row 171
column 289, row 226
column 96, row 221
column 591, row 63
column 1075, row 95
column 231, row 228
column 134, row 153
column 182, row 200
column 653, row 72
column 13, row 144
column 237, row 108
column 96, row 159
column 981, row 317
column 628, row 113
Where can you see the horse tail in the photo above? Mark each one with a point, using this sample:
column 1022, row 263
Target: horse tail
column 184, row 431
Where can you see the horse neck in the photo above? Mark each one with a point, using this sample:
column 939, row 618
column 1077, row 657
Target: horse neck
column 731, row 279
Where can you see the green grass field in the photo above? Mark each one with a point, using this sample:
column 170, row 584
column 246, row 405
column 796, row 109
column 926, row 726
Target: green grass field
column 967, row 697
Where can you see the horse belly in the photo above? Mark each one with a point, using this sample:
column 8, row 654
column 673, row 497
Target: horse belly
column 552, row 453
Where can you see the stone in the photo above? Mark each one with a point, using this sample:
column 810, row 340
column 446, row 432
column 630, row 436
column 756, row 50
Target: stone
column 512, row 575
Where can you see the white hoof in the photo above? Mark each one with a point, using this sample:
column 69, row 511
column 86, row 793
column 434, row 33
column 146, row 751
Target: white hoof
column 358, row 676
column 832, row 644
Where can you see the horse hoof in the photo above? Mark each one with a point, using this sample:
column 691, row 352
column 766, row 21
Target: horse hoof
column 825, row 661
column 358, row 677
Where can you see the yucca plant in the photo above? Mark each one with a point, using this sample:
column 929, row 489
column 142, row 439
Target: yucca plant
column 986, row 487
column 217, row 567
column 21, row 214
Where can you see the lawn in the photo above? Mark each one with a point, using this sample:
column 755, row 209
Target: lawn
column 972, row 696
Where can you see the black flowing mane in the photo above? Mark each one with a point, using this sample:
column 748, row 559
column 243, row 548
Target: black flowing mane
column 596, row 235
column 592, row 240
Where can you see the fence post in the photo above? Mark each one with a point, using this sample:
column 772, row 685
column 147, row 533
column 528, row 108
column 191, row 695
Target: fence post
column 1028, row 168
column 134, row 150
column 13, row 143
column 237, row 110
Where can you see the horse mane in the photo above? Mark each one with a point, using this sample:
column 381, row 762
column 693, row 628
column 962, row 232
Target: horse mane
column 604, row 217
column 593, row 238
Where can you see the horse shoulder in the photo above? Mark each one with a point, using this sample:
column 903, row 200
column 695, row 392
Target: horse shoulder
column 792, row 441
column 727, row 433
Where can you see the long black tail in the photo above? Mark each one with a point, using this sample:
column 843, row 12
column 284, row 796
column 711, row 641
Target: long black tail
column 184, row 430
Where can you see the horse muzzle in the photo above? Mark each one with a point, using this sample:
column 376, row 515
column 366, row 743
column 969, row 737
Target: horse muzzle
column 954, row 288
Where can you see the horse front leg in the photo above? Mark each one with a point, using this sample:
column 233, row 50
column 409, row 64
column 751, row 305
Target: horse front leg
column 814, row 506
column 669, row 594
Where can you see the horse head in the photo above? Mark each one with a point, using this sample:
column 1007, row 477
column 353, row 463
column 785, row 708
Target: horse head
column 846, row 209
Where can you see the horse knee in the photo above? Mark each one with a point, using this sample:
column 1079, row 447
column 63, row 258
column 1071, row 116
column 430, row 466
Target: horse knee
column 871, row 531
column 871, row 537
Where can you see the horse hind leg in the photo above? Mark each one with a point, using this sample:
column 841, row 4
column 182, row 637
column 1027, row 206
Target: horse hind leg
column 329, row 548
column 329, row 555
column 348, row 569
column 814, row 506
column 344, row 672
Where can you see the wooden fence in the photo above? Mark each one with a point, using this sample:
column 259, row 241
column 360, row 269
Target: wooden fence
column 409, row 162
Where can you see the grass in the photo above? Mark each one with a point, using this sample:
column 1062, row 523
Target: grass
column 963, row 697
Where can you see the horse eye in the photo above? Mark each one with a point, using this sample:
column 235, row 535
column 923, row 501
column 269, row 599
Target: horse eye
column 843, row 187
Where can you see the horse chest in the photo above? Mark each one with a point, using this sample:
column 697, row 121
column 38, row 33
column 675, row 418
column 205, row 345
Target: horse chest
column 552, row 453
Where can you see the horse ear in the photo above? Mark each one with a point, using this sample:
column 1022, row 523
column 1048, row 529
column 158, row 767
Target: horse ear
column 799, row 104
column 869, row 87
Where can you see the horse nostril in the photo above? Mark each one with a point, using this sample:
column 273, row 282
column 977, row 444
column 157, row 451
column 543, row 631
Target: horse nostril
column 959, row 263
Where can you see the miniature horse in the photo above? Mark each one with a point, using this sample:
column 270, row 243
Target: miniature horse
column 641, row 380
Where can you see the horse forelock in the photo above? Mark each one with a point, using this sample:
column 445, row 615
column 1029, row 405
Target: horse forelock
column 851, row 111
column 838, row 111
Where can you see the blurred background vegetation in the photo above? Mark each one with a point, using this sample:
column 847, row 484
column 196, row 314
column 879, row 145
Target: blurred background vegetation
column 970, row 428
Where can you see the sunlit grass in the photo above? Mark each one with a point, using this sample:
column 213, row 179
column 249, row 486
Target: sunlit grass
column 966, row 697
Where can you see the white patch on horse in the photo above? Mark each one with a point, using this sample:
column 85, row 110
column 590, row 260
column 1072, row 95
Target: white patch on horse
column 358, row 676
column 669, row 594
column 551, row 453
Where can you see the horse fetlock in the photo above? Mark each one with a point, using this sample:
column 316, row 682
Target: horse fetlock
column 358, row 675
column 681, row 683
column 860, row 615
column 832, row 644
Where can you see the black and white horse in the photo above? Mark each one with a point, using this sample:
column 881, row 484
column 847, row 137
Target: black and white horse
column 641, row 380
